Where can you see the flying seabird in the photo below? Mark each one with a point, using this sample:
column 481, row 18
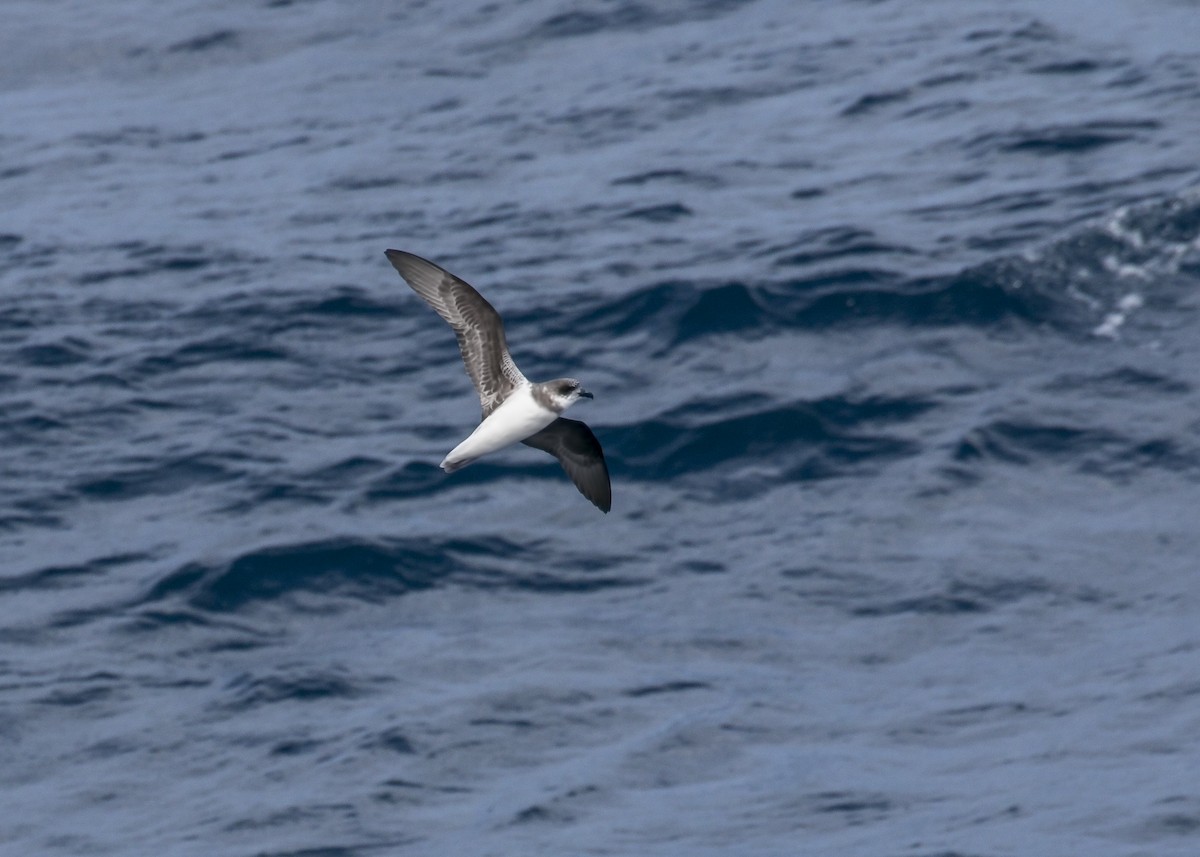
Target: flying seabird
column 514, row 409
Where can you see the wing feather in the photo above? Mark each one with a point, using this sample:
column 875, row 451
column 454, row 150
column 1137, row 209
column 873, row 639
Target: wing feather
column 581, row 456
column 476, row 324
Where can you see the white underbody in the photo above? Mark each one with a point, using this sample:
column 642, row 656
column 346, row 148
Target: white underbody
column 517, row 418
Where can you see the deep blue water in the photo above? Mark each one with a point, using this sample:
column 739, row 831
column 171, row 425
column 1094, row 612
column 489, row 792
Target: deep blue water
column 892, row 314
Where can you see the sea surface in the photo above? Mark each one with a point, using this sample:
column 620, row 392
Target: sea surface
column 892, row 315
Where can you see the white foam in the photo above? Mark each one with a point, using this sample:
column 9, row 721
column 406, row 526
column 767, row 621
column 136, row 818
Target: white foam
column 1113, row 320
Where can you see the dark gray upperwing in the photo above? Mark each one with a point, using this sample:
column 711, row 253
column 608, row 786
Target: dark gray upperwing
column 580, row 454
column 475, row 322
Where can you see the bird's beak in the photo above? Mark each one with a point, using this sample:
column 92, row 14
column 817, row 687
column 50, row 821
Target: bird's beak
column 584, row 394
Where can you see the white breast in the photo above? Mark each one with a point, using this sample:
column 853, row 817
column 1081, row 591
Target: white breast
column 517, row 418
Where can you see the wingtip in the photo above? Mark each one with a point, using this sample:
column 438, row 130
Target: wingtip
column 603, row 501
column 398, row 256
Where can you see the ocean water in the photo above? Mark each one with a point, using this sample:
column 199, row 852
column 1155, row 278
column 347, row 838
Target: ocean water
column 892, row 314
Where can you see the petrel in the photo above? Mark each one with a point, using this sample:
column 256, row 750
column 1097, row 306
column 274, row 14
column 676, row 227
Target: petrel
column 514, row 409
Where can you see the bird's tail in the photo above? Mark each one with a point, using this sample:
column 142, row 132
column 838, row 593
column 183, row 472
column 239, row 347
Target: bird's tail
column 450, row 464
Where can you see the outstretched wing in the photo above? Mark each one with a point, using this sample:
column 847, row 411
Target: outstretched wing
column 580, row 454
column 476, row 324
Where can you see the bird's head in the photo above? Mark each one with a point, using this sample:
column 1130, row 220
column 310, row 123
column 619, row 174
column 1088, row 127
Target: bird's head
column 566, row 392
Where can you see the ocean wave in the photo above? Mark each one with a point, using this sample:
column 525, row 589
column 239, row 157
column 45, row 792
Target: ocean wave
column 808, row 440
column 1089, row 449
column 1069, row 285
column 317, row 575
